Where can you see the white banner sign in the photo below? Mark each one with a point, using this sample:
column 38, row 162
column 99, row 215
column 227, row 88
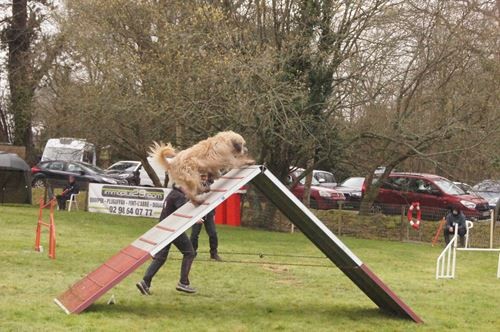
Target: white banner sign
column 128, row 201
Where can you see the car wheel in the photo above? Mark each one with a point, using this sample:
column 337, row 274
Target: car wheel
column 376, row 209
column 38, row 183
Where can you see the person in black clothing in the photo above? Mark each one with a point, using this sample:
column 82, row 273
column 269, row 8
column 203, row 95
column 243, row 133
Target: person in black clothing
column 71, row 188
column 175, row 199
column 455, row 217
column 213, row 241
column 209, row 222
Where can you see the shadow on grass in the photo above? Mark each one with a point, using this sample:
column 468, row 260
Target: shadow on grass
column 199, row 310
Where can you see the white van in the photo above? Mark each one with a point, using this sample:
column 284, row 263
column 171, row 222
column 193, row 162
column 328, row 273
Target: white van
column 69, row 149
column 159, row 170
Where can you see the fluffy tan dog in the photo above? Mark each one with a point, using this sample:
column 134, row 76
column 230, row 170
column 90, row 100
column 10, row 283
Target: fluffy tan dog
column 224, row 151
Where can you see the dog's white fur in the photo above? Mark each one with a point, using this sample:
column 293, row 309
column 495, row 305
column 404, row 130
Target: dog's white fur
column 224, row 151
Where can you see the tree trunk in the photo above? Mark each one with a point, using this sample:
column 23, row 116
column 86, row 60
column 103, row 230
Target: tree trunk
column 21, row 91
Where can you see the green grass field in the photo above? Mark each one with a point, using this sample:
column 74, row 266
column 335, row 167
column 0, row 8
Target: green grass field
column 247, row 294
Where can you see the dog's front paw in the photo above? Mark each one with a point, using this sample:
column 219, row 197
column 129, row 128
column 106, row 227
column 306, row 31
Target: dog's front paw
column 197, row 201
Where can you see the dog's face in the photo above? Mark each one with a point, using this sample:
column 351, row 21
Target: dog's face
column 238, row 143
column 239, row 147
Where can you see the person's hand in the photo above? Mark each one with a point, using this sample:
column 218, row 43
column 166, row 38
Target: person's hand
column 450, row 229
column 200, row 221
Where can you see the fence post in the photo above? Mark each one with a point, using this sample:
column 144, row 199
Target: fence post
column 340, row 219
column 403, row 223
column 492, row 227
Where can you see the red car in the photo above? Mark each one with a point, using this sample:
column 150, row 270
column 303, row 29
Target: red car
column 431, row 191
column 321, row 198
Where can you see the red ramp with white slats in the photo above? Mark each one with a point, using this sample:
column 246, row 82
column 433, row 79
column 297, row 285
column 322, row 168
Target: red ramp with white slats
column 90, row 288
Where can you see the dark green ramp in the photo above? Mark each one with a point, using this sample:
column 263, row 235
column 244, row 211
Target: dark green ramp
column 331, row 246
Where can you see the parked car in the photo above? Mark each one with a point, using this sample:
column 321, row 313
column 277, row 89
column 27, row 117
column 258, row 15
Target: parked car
column 432, row 192
column 321, row 198
column 325, row 179
column 321, row 178
column 58, row 171
column 351, row 188
column 467, row 188
column 489, row 190
column 126, row 169
column 159, row 170
column 135, row 174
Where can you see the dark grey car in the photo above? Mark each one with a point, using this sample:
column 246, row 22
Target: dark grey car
column 58, row 171
column 489, row 190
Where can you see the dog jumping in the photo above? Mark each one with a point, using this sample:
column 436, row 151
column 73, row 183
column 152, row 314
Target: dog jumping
column 224, row 151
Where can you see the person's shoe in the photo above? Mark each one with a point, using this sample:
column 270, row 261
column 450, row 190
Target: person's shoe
column 215, row 257
column 143, row 288
column 185, row 288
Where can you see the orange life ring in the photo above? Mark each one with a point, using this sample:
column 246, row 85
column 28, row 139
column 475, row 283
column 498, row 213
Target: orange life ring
column 414, row 223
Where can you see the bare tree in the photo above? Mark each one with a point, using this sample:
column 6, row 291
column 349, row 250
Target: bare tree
column 26, row 65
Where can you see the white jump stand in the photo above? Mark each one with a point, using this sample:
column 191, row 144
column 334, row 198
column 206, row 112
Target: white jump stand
column 446, row 262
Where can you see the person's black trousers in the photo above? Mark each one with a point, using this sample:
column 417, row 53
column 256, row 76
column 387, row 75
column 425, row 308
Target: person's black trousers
column 461, row 232
column 61, row 201
column 211, row 232
column 183, row 243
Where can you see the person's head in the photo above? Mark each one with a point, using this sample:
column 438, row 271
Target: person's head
column 455, row 211
column 206, row 179
column 71, row 179
column 176, row 186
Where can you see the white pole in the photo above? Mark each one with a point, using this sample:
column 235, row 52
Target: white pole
column 448, row 263
column 454, row 253
column 498, row 270
column 454, row 262
column 491, row 227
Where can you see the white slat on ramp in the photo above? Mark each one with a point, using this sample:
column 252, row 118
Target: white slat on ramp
column 89, row 289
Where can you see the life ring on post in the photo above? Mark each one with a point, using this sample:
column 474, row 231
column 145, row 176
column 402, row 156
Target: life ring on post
column 414, row 223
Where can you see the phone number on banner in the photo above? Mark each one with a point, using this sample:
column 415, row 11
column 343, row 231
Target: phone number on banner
column 128, row 211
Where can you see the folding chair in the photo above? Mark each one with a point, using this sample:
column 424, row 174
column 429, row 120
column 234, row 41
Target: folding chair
column 72, row 200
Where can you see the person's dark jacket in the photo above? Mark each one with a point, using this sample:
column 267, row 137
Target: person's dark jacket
column 452, row 219
column 71, row 188
column 175, row 199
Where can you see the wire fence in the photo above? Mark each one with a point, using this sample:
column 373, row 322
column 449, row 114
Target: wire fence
column 384, row 221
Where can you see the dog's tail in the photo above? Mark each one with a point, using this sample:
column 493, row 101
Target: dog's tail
column 160, row 152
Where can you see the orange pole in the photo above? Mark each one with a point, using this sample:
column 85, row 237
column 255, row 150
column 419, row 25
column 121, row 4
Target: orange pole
column 440, row 227
column 51, row 226
column 39, row 227
column 52, row 232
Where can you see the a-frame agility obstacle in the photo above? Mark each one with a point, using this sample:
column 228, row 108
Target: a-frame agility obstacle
column 86, row 291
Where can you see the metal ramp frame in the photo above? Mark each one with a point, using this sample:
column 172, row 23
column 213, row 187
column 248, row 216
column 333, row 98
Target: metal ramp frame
column 86, row 291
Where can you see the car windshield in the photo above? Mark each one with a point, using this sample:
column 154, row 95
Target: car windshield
column 353, row 182
column 91, row 169
column 449, row 187
column 123, row 167
column 303, row 180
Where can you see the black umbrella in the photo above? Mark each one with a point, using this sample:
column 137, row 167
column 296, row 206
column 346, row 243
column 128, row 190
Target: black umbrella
column 12, row 161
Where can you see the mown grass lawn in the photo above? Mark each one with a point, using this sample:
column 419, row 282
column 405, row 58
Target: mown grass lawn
column 312, row 295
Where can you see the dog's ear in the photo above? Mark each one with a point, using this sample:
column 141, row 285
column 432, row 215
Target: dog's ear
column 237, row 146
